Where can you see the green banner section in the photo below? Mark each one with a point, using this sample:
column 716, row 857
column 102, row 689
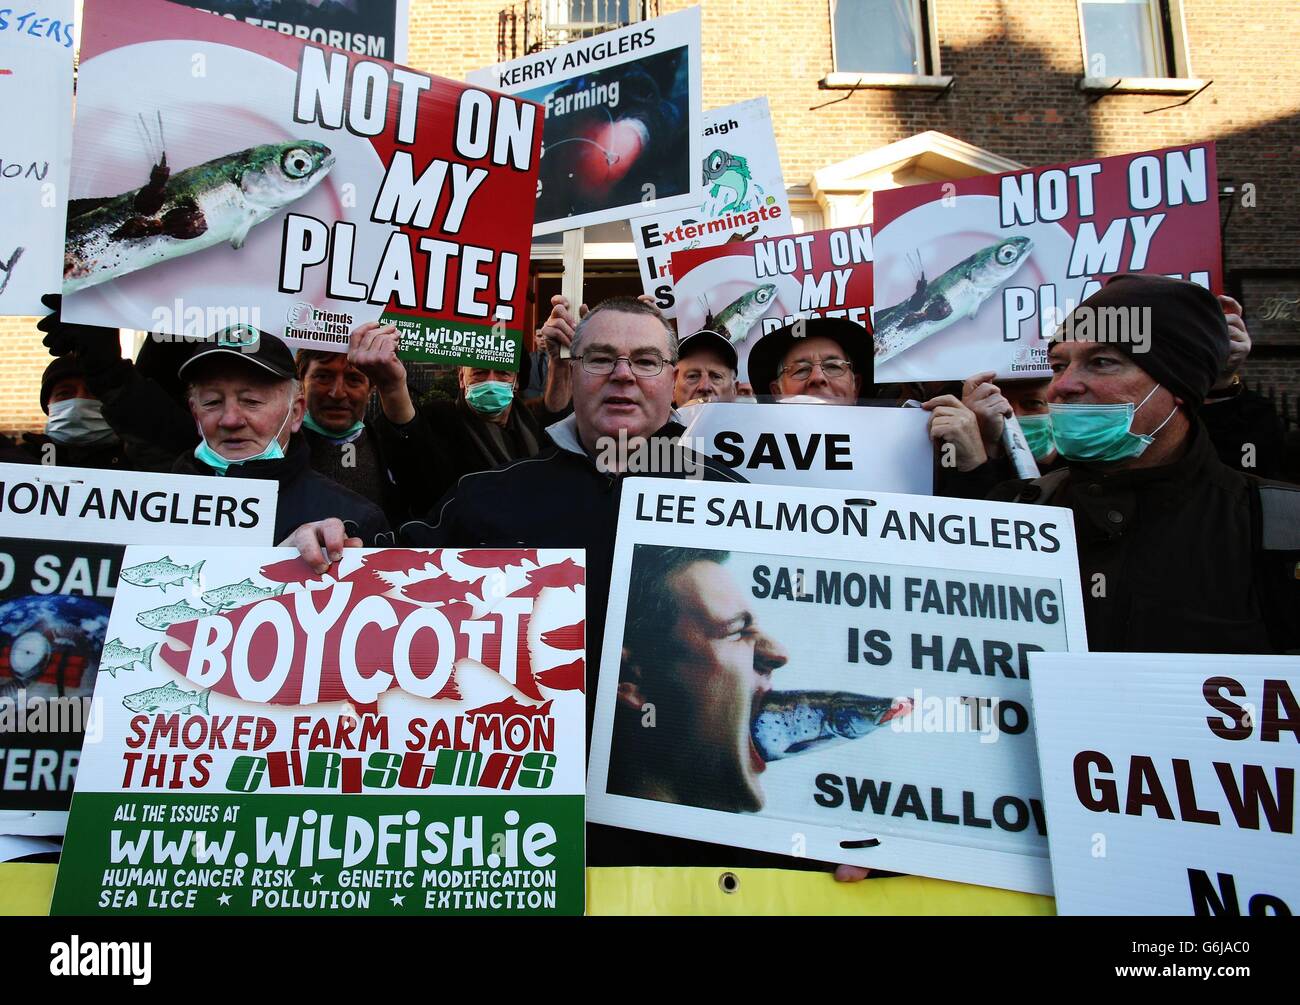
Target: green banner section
column 160, row 853
column 456, row 343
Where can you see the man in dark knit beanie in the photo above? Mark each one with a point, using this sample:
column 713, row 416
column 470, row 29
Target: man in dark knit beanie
column 1177, row 552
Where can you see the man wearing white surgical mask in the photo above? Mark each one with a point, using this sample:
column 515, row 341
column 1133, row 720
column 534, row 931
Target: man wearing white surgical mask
column 76, row 432
column 246, row 401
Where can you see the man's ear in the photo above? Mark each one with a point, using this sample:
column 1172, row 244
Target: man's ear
column 297, row 413
column 774, row 389
column 857, row 386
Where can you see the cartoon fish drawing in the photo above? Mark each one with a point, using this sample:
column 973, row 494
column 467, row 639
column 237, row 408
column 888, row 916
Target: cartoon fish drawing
column 162, row 573
column 958, row 293
column 569, row 637
column 162, row 618
column 223, row 598
column 497, row 558
column 725, row 170
column 197, row 208
column 168, row 698
column 401, row 560
column 294, row 571
column 569, row 677
column 116, row 656
column 791, row 722
column 567, row 575
column 443, row 589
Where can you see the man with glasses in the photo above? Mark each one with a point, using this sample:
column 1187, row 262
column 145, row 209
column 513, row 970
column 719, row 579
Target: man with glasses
column 623, row 370
column 826, row 358
column 831, row 359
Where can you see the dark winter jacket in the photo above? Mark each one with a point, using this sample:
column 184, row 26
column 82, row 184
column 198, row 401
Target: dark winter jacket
column 305, row 495
column 448, row 440
column 1188, row 557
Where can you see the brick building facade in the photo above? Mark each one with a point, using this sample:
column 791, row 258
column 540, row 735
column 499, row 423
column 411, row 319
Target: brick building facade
column 1004, row 86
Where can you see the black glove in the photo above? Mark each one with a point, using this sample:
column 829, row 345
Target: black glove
column 97, row 348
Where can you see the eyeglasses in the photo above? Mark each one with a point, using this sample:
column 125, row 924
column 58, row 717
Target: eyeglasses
column 830, row 368
column 649, row 364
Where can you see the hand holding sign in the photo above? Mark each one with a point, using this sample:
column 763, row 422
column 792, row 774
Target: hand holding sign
column 982, row 396
column 957, row 428
column 1239, row 344
column 556, row 335
column 321, row 544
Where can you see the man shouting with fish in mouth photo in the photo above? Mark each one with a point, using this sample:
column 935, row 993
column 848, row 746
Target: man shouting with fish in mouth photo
column 697, row 719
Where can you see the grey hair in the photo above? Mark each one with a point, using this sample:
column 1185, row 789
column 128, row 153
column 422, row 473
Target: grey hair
column 626, row 305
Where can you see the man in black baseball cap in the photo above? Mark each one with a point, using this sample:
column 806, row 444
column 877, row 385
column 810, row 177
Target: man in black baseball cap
column 706, row 368
column 826, row 358
column 1177, row 551
column 244, row 395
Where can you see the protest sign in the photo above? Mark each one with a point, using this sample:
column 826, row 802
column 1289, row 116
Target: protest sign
column 817, row 446
column 977, row 274
column 36, row 46
column 744, row 198
column 753, row 287
column 833, row 676
column 62, row 533
column 1169, row 782
column 403, row 734
column 295, row 188
column 622, row 134
column 375, row 28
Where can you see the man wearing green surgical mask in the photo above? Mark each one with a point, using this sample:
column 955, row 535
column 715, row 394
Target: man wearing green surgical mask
column 1177, row 551
column 1027, row 401
column 432, row 447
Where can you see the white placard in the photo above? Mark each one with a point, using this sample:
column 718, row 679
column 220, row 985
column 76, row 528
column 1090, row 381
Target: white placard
column 36, row 47
column 884, row 640
column 112, row 507
column 1170, row 782
column 817, row 446
column 744, row 198
column 623, row 125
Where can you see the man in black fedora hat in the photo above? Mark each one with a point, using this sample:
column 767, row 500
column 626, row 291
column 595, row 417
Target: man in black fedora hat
column 826, row 358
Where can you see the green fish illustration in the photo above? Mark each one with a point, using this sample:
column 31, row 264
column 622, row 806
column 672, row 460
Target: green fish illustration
column 958, row 293
column 168, row 698
column 738, row 317
column 116, row 656
column 162, row 573
column 199, row 207
column 727, row 171
column 238, row 594
column 791, row 722
column 162, row 618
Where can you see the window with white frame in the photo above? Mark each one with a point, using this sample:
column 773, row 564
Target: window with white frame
column 582, row 18
column 1131, row 38
column 881, row 36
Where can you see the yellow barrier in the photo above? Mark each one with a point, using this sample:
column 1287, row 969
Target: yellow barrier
column 774, row 891
column 26, row 889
